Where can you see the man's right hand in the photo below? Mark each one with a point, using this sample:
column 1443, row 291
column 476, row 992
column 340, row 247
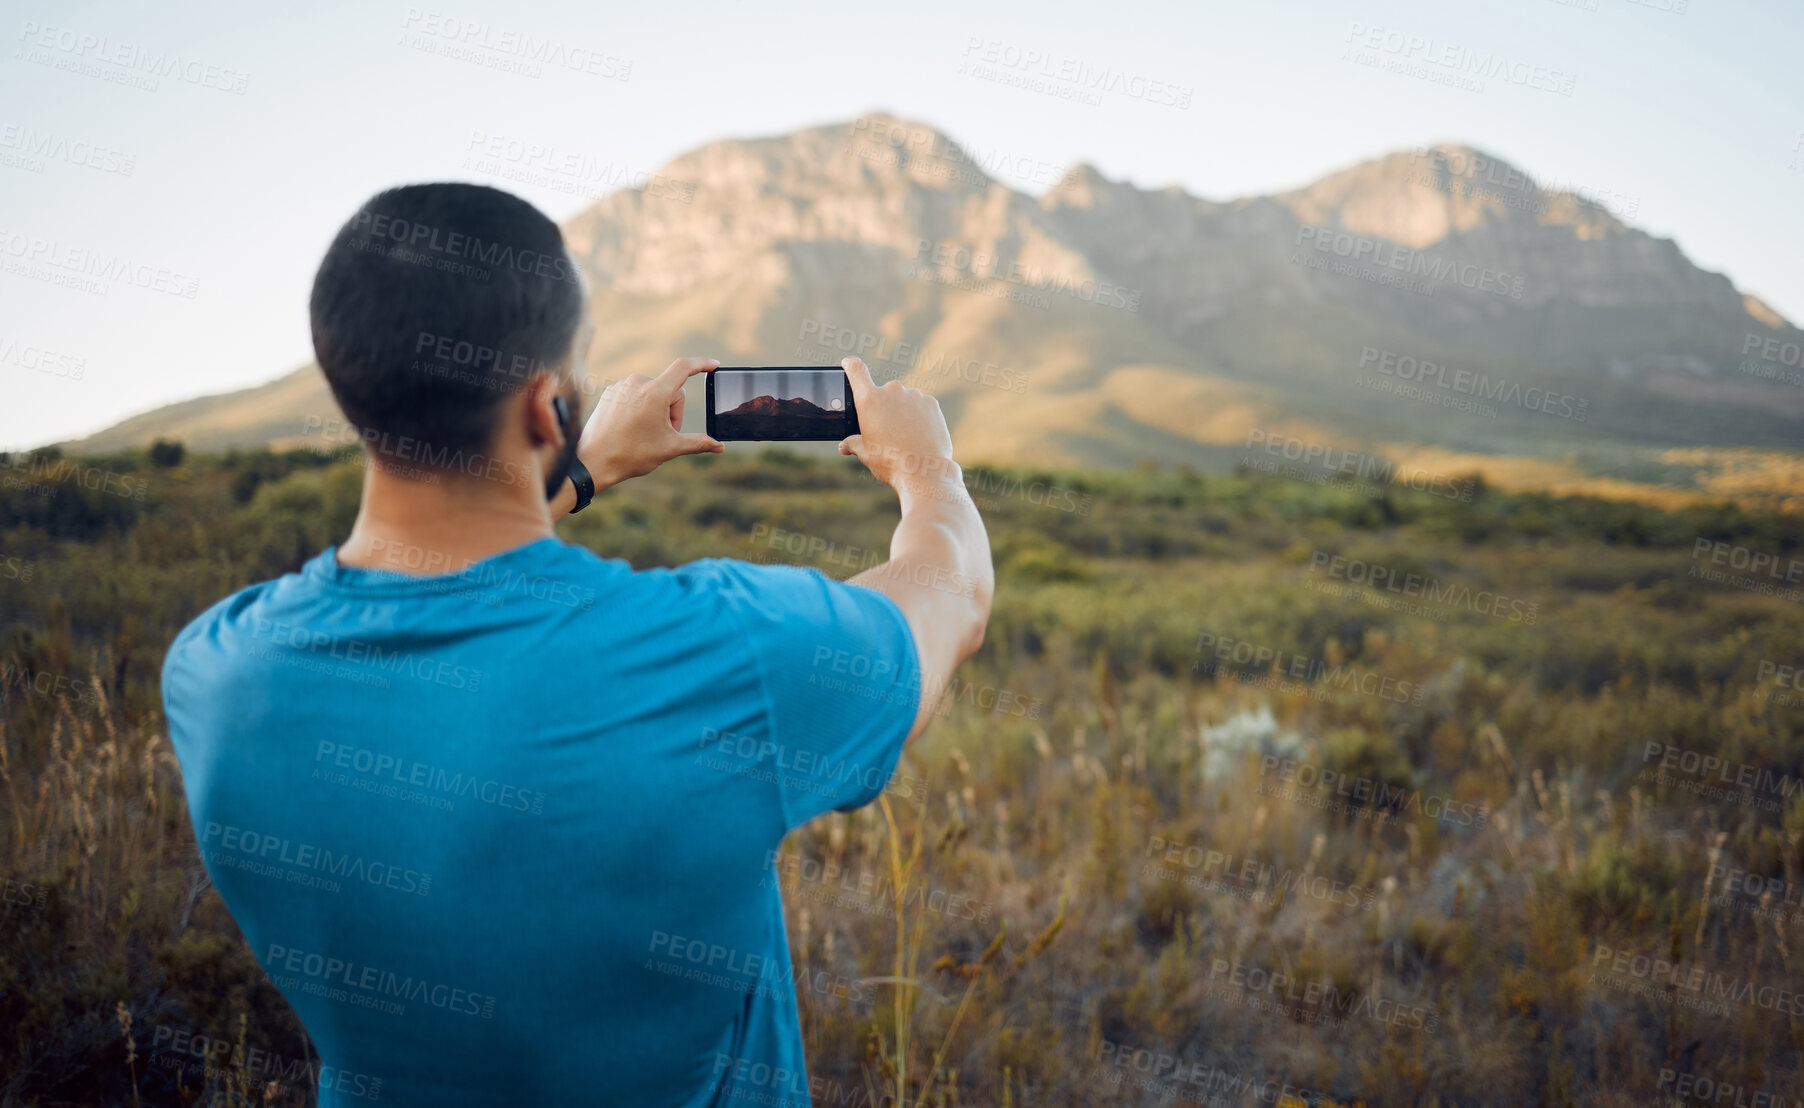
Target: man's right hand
column 637, row 425
column 902, row 437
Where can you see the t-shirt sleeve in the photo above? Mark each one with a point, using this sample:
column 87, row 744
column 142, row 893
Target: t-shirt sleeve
column 840, row 675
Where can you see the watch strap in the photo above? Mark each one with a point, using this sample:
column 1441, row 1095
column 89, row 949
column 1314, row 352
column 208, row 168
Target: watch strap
column 585, row 484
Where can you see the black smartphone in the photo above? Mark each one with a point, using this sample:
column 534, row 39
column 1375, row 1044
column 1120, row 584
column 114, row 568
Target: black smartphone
column 780, row 404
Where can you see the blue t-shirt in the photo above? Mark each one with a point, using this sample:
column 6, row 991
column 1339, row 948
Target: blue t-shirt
column 508, row 835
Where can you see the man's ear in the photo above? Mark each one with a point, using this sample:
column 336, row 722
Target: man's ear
column 544, row 422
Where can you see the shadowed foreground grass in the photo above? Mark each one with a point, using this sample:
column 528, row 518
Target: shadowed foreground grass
column 1209, row 820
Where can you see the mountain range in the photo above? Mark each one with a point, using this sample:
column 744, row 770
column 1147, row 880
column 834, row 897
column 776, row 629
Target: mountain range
column 1437, row 308
column 768, row 419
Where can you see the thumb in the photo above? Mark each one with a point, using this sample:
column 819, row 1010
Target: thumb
column 699, row 444
column 852, row 444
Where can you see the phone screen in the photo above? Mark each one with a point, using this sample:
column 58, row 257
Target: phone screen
column 781, row 405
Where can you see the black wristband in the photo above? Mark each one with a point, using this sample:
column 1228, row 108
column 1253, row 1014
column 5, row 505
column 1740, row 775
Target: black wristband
column 585, row 484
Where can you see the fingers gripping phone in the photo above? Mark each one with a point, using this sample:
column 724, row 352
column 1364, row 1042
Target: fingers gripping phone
column 780, row 404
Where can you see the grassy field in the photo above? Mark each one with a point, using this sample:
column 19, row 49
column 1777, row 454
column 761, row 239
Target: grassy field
column 1259, row 792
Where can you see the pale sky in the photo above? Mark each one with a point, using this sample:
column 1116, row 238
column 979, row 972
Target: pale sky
column 197, row 209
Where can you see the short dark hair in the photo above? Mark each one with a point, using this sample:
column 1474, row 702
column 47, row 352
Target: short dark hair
column 433, row 303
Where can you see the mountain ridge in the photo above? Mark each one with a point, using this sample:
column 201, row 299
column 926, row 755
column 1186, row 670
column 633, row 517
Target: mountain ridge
column 883, row 233
column 770, row 405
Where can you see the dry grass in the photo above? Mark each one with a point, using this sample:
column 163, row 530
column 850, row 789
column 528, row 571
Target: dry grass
column 1017, row 926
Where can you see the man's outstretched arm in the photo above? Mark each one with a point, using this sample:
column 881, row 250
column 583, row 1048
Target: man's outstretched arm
column 939, row 570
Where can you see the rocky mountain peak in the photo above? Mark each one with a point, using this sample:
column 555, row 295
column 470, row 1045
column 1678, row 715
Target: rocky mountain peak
column 1420, row 197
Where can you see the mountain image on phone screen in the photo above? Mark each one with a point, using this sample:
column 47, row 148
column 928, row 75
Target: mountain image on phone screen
column 781, row 405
